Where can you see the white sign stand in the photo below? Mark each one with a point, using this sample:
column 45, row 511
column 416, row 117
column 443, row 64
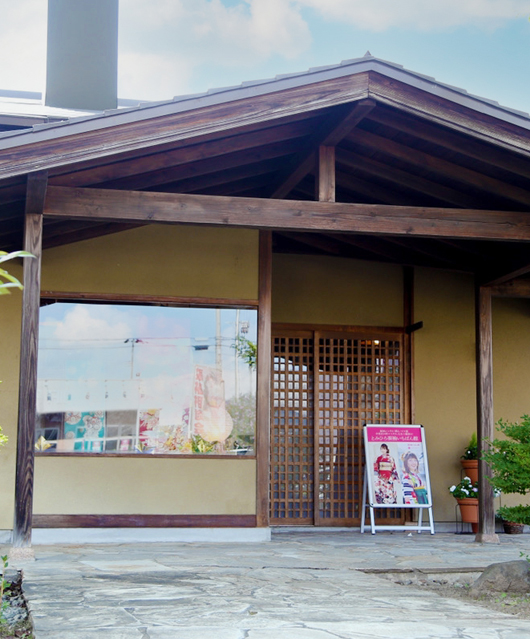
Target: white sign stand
column 396, row 474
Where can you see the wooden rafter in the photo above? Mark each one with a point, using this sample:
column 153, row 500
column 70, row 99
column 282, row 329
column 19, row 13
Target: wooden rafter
column 456, row 142
column 136, row 162
column 331, row 133
column 145, row 207
column 454, row 171
column 409, row 181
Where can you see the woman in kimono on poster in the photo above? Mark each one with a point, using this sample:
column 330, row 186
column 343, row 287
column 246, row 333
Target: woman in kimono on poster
column 385, row 476
column 414, row 490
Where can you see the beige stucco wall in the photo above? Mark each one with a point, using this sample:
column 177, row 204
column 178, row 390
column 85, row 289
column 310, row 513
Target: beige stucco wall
column 152, row 260
column 327, row 290
column 445, row 376
column 188, row 261
column 110, row 486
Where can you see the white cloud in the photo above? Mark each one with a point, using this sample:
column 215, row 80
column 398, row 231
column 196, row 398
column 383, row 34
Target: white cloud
column 170, row 39
column 23, row 44
column 79, row 324
column 425, row 15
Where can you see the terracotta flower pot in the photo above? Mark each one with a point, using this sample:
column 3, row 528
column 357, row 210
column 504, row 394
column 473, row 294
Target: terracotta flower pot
column 469, row 512
column 470, row 467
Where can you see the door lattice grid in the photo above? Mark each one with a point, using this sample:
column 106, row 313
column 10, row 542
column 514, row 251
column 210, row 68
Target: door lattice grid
column 358, row 381
column 326, row 386
column 292, row 431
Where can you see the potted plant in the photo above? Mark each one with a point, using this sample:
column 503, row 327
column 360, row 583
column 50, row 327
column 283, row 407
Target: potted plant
column 466, row 494
column 509, row 460
column 508, row 515
column 469, row 459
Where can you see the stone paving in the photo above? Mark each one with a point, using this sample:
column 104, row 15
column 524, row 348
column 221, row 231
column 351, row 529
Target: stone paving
column 298, row 586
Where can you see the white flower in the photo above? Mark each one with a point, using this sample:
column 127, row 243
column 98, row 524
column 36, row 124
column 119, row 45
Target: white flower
column 452, row 489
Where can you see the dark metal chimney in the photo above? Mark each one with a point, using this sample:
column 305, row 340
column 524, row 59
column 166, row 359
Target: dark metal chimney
column 82, row 62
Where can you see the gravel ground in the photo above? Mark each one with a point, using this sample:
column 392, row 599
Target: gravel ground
column 457, row 585
column 15, row 621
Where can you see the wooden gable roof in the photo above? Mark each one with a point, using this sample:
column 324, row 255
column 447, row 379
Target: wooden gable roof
column 399, row 139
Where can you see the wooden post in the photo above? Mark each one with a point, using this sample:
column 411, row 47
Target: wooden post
column 485, row 425
column 35, row 195
column 408, row 343
column 325, row 182
column 264, row 378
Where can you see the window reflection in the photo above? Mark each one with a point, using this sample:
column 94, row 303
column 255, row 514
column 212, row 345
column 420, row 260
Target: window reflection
column 146, row 379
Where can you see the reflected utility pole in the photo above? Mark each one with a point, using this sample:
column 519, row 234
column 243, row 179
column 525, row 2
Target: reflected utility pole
column 237, row 355
column 218, row 355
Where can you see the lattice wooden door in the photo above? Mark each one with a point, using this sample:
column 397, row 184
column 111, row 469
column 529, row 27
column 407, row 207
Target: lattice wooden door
column 292, row 433
column 326, row 387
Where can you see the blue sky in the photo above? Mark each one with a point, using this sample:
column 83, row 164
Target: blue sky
column 172, row 47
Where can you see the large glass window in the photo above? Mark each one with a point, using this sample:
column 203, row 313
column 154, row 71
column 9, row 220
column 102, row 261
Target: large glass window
column 146, row 379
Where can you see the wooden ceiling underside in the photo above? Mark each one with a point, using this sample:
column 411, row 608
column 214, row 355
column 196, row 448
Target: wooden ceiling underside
column 386, row 156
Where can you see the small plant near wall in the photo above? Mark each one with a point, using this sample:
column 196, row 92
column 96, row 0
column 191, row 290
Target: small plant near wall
column 471, row 451
column 8, row 281
column 509, row 460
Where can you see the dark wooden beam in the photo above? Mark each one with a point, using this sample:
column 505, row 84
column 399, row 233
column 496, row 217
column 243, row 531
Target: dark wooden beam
column 27, row 404
column 160, row 168
column 437, row 254
column 321, row 242
column 450, row 114
column 101, row 205
column 193, row 169
column 336, row 128
column 511, row 275
column 349, row 158
column 223, row 176
column 325, row 182
column 485, row 426
column 72, row 145
column 447, row 139
column 452, row 170
column 264, row 377
column 514, row 288
column 376, row 193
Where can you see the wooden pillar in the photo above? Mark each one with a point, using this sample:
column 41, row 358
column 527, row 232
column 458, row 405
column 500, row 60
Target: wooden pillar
column 35, row 195
column 485, row 424
column 408, row 343
column 325, row 182
column 264, row 378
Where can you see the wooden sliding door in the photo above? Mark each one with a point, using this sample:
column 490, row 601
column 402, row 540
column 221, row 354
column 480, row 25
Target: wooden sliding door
column 326, row 386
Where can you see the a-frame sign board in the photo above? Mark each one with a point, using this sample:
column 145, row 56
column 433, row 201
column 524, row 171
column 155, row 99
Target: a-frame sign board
column 396, row 474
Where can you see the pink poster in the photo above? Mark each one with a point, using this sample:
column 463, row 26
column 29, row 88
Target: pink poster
column 396, row 462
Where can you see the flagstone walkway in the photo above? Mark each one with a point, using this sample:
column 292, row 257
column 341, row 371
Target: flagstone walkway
column 298, row 586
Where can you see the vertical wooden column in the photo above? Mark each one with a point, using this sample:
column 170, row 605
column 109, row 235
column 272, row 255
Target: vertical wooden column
column 35, row 196
column 485, row 425
column 264, row 377
column 325, row 182
column 408, row 344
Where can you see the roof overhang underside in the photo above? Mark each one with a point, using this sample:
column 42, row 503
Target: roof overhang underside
column 418, row 177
